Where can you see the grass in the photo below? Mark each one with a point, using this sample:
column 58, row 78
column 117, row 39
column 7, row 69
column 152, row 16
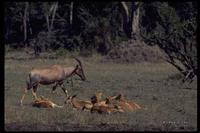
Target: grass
column 165, row 103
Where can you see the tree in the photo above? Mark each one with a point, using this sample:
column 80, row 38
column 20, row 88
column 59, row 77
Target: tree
column 175, row 36
column 71, row 12
column 131, row 19
column 25, row 21
column 49, row 12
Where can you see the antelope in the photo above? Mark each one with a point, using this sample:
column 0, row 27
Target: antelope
column 55, row 74
column 45, row 103
column 79, row 104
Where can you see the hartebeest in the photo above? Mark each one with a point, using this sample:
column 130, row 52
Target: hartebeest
column 55, row 74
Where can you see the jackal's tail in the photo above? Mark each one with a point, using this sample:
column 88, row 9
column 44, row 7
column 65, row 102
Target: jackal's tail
column 58, row 106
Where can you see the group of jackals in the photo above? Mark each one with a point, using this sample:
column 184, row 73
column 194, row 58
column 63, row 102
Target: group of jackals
column 109, row 105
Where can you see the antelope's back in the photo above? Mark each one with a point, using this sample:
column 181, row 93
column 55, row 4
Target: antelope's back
column 53, row 73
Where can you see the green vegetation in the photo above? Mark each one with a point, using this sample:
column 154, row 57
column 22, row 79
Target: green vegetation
column 100, row 27
column 140, row 49
column 166, row 103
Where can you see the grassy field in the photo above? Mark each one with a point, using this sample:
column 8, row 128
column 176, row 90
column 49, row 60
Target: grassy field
column 166, row 103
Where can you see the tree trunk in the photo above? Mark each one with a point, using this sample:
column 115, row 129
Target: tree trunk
column 71, row 13
column 25, row 22
column 135, row 16
column 47, row 20
column 51, row 12
column 131, row 20
column 125, row 17
column 53, row 15
column 29, row 24
column 7, row 28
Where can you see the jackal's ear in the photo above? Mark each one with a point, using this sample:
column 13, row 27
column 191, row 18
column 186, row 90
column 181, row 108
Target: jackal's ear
column 42, row 97
column 119, row 96
column 107, row 100
column 74, row 96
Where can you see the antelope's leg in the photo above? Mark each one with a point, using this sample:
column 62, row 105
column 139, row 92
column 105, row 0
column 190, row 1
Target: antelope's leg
column 63, row 88
column 25, row 91
column 34, row 91
column 23, row 96
column 54, row 87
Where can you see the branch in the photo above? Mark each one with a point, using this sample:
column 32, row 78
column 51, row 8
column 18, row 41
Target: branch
column 125, row 7
column 178, row 67
column 61, row 18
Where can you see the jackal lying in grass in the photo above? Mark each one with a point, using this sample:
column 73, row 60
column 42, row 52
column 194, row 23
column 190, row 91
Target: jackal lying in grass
column 79, row 104
column 103, row 106
column 106, row 109
column 44, row 103
column 125, row 104
column 96, row 100
column 109, row 105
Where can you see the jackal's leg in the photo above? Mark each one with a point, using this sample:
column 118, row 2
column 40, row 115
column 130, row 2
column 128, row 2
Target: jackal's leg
column 71, row 82
column 34, row 91
column 65, row 90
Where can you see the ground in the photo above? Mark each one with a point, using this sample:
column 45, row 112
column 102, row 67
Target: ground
column 166, row 103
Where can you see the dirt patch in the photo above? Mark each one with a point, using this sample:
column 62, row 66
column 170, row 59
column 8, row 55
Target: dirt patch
column 134, row 52
column 95, row 127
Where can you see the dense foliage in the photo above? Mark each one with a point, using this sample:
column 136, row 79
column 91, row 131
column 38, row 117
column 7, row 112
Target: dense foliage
column 101, row 26
column 96, row 26
column 173, row 27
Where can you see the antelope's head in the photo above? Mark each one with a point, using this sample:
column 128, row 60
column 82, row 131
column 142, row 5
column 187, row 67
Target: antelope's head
column 79, row 70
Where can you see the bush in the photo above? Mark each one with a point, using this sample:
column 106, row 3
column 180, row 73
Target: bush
column 134, row 52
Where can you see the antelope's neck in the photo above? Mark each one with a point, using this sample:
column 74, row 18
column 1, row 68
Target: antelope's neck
column 69, row 71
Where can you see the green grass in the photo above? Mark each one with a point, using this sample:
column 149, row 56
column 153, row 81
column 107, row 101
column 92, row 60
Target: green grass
column 164, row 102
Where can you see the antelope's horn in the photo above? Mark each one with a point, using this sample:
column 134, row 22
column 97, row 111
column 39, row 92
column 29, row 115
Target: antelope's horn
column 79, row 62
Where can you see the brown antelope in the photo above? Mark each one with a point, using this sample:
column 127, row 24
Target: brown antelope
column 79, row 104
column 55, row 74
column 44, row 103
